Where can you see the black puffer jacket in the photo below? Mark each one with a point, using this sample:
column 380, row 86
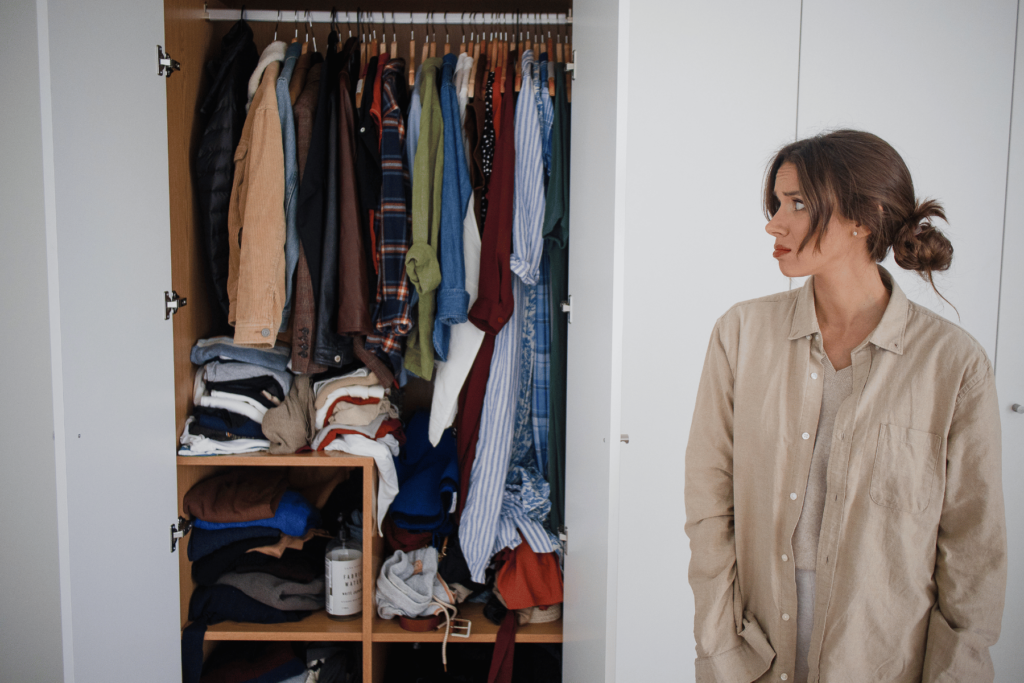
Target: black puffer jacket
column 223, row 115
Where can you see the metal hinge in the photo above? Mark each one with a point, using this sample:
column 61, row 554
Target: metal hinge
column 572, row 65
column 624, row 438
column 563, row 538
column 165, row 64
column 173, row 303
column 567, row 307
column 178, row 530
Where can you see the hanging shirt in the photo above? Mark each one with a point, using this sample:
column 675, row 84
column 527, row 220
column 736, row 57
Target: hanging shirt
column 291, row 178
column 547, row 111
column 466, row 337
column 542, row 354
column 393, row 320
column 412, row 124
column 556, row 238
column 456, row 191
column 494, row 511
column 304, row 302
column 421, row 261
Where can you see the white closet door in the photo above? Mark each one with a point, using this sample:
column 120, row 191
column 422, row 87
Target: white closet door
column 110, row 184
column 933, row 78
column 701, row 131
column 1008, row 655
column 594, row 355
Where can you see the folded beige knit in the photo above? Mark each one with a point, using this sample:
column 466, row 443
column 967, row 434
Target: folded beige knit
column 325, row 391
column 360, row 415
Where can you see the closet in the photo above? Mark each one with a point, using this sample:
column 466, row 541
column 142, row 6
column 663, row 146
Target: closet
column 193, row 31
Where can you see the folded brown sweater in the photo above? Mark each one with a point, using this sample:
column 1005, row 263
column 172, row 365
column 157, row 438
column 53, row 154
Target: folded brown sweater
column 241, row 495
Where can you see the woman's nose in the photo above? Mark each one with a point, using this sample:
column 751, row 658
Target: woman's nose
column 775, row 227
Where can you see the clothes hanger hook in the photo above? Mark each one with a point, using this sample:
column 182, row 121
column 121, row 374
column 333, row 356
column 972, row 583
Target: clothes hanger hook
column 276, row 24
column 394, row 28
column 242, row 16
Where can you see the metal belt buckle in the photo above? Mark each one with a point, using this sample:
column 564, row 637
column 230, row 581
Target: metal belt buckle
column 461, row 628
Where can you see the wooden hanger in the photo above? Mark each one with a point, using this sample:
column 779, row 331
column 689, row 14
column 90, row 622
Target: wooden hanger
column 505, row 56
column 447, row 44
column 412, row 57
column 426, row 42
column 478, row 47
column 551, row 62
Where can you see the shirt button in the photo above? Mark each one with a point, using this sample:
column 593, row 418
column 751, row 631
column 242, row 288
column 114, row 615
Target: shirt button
column 785, row 617
column 808, row 337
column 805, row 436
column 362, row 130
column 785, row 558
column 814, row 375
column 265, row 332
column 792, row 496
column 784, row 677
column 337, row 359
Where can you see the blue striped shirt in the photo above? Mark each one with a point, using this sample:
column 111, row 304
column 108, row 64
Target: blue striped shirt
column 493, row 510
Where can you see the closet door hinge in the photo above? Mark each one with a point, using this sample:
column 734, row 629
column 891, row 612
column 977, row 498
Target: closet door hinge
column 173, row 303
column 572, row 65
column 567, row 307
column 563, row 538
column 165, row 64
column 178, row 530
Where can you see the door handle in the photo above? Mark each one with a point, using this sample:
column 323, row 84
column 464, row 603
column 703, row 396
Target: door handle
column 1017, row 408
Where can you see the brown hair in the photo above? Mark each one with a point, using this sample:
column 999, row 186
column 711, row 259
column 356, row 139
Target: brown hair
column 852, row 173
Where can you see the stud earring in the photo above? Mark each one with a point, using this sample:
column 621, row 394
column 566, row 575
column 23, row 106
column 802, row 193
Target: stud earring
column 854, row 233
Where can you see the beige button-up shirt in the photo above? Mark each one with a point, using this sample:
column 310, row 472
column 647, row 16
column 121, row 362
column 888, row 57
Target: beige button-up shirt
column 911, row 565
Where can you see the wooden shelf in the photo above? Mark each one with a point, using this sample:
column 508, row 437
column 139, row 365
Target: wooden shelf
column 483, row 631
column 317, row 626
column 265, row 459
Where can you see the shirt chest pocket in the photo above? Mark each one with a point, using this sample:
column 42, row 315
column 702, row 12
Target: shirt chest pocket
column 906, row 475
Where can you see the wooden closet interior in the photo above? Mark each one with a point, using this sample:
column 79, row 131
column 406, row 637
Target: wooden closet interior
column 192, row 39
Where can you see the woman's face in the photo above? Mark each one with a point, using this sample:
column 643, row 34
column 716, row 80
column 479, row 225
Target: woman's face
column 791, row 223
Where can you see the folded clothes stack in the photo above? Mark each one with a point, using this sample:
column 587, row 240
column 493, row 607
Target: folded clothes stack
column 233, row 391
column 256, row 554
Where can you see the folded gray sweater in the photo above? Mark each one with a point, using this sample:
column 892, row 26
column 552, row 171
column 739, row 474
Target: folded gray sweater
column 278, row 593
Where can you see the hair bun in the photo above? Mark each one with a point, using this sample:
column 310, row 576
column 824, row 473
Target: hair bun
column 920, row 246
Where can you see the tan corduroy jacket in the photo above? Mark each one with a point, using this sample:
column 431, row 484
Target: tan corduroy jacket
column 256, row 222
column 911, row 568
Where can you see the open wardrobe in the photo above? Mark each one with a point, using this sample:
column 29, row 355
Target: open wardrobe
column 369, row 342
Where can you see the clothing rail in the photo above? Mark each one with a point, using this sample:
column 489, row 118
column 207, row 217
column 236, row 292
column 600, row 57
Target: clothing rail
column 403, row 18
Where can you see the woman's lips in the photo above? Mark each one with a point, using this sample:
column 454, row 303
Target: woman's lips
column 779, row 251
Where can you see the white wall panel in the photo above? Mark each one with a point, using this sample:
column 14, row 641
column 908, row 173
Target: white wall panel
column 933, row 78
column 713, row 92
column 1008, row 654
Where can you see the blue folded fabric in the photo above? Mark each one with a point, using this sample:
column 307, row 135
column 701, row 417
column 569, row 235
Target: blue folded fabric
column 294, row 517
column 206, row 350
column 428, row 479
column 239, row 425
column 202, row 542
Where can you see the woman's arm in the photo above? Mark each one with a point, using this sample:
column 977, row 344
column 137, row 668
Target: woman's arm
column 723, row 654
column 970, row 563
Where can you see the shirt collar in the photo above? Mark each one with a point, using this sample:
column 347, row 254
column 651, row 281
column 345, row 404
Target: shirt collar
column 889, row 334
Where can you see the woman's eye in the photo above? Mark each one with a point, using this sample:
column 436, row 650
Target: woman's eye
column 798, row 205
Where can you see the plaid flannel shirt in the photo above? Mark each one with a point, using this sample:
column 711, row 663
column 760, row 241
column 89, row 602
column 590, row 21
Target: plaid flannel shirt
column 393, row 223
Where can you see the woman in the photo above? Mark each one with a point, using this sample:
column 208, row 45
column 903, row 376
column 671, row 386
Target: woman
column 843, row 495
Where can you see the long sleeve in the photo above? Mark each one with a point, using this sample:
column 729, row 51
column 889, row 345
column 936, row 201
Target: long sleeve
column 261, row 262
column 970, row 563
column 726, row 649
